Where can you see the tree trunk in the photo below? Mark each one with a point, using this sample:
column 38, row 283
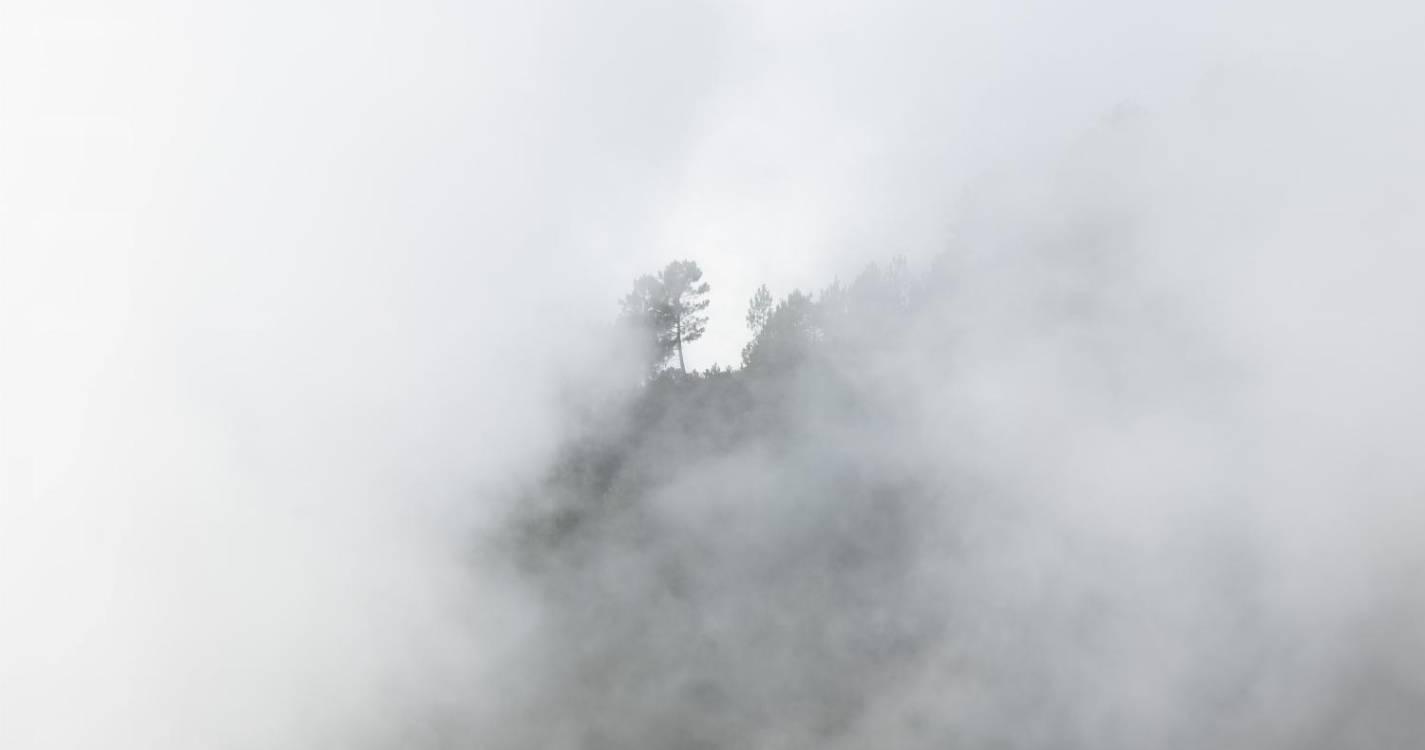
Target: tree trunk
column 681, row 366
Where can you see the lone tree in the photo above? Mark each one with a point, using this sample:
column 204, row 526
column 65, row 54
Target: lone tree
column 669, row 306
column 759, row 309
column 644, row 311
column 687, row 298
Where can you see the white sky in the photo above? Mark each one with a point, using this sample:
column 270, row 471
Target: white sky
column 777, row 142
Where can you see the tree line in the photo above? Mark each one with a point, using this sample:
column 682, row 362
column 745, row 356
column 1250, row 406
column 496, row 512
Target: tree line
column 666, row 311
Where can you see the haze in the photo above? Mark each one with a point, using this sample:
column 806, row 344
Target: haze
column 305, row 306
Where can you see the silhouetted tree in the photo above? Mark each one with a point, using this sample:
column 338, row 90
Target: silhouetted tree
column 758, row 309
column 686, row 295
column 787, row 335
column 668, row 309
column 645, row 311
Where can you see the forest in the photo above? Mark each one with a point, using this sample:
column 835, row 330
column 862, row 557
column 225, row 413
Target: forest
column 683, row 636
column 804, row 552
column 713, row 375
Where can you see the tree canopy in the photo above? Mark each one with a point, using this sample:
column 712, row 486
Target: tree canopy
column 667, row 310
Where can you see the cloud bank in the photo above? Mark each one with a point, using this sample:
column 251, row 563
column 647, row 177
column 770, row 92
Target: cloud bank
column 289, row 295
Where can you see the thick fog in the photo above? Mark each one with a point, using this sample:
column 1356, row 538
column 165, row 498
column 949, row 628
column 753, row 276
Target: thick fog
column 299, row 302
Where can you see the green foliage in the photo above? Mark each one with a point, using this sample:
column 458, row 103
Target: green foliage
column 666, row 528
column 758, row 309
column 788, row 336
column 801, row 344
column 644, row 310
column 667, row 311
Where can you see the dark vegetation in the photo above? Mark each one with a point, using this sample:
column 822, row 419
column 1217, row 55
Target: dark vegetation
column 732, row 554
column 831, row 546
column 801, row 370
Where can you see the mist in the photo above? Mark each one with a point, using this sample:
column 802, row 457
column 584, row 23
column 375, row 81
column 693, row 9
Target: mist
column 305, row 311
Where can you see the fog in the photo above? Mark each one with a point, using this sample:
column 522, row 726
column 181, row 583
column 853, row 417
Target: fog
column 295, row 299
